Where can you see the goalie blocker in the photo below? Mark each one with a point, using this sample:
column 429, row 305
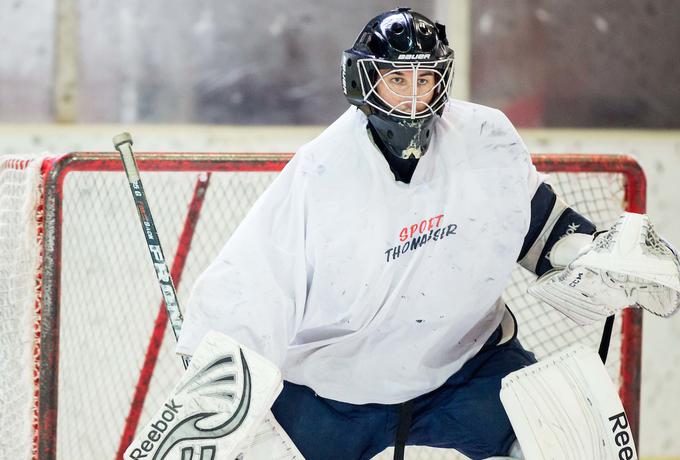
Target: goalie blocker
column 219, row 406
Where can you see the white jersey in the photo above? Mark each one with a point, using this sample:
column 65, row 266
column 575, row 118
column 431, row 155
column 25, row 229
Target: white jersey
column 366, row 289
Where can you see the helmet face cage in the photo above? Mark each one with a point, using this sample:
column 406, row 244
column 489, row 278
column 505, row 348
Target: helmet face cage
column 410, row 102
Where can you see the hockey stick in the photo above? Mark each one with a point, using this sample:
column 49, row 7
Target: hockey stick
column 269, row 436
column 157, row 337
column 123, row 143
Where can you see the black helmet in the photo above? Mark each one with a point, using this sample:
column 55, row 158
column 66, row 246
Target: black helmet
column 399, row 73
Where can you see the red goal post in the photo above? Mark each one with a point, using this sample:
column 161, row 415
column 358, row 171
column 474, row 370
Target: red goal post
column 95, row 331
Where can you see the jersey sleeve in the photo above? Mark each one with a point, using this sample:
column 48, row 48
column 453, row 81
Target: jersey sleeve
column 551, row 219
column 502, row 133
column 255, row 290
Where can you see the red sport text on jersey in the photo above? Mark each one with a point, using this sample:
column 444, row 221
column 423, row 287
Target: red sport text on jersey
column 423, row 226
column 414, row 236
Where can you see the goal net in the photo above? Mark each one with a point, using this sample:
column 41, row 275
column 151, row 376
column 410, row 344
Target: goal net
column 86, row 354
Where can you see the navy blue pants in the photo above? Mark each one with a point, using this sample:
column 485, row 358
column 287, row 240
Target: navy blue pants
column 465, row 413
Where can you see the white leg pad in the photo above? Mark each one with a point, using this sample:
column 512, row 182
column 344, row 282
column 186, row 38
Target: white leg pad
column 566, row 407
column 514, row 454
column 269, row 442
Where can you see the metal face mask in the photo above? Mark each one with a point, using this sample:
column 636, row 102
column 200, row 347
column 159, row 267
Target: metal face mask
column 406, row 90
column 399, row 73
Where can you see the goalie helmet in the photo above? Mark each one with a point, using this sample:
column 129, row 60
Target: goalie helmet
column 399, row 73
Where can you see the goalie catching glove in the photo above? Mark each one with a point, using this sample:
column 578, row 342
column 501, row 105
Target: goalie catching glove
column 628, row 265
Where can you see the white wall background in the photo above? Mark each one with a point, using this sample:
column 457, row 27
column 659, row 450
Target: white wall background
column 657, row 151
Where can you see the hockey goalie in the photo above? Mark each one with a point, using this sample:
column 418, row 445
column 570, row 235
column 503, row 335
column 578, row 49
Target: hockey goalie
column 370, row 275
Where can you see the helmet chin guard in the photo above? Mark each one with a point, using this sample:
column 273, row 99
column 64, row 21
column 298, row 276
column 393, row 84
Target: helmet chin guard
column 403, row 138
column 399, row 73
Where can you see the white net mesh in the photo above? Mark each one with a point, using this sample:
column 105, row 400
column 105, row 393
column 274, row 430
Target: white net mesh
column 20, row 251
column 108, row 315
column 110, row 297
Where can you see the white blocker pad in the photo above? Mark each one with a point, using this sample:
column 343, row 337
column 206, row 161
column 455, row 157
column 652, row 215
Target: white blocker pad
column 629, row 265
column 565, row 407
column 215, row 409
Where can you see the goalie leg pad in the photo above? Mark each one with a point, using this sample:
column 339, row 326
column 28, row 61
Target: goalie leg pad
column 269, row 441
column 514, row 454
column 566, row 407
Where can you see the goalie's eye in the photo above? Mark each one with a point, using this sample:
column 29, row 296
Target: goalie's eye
column 396, row 80
column 426, row 80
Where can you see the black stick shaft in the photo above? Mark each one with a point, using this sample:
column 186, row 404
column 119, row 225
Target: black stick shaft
column 123, row 143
